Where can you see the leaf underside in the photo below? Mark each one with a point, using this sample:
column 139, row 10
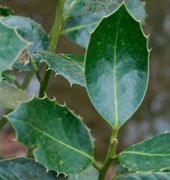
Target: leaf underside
column 11, row 45
column 63, row 142
column 32, row 32
column 116, row 67
column 150, row 155
column 69, row 66
column 10, row 96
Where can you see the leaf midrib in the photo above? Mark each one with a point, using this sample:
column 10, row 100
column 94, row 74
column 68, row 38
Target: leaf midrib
column 143, row 153
column 73, row 61
column 58, row 141
column 114, row 73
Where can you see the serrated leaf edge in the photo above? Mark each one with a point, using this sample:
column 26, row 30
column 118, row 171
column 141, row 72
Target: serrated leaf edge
column 50, row 68
column 132, row 169
column 149, row 50
column 17, row 34
column 80, row 118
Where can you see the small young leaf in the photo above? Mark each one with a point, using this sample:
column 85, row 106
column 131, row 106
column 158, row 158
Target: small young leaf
column 71, row 67
column 83, row 16
column 150, row 155
column 11, row 45
column 10, row 96
column 24, row 169
column 89, row 174
column 116, row 67
column 32, row 32
column 63, row 142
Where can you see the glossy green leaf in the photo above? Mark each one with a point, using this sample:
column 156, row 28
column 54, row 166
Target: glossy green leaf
column 150, row 155
column 24, row 169
column 5, row 11
column 124, row 173
column 145, row 176
column 62, row 140
column 35, row 34
column 83, row 16
column 89, row 174
column 116, row 67
column 69, row 66
column 11, row 45
column 10, row 96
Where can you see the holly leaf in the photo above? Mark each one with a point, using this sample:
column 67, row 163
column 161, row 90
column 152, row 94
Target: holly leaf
column 10, row 96
column 81, row 17
column 150, row 155
column 35, row 34
column 62, row 141
column 116, row 67
column 69, row 66
column 11, row 45
column 89, row 174
column 24, row 169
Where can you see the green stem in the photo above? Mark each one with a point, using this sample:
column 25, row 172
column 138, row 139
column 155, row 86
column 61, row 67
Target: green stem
column 27, row 80
column 53, row 43
column 111, row 153
column 57, row 25
column 96, row 165
column 44, row 83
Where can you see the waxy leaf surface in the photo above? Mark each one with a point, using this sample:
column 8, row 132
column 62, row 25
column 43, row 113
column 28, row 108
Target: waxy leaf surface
column 35, row 34
column 62, row 140
column 10, row 96
column 69, row 66
column 24, row 169
column 150, row 155
column 83, row 16
column 116, row 67
column 11, row 45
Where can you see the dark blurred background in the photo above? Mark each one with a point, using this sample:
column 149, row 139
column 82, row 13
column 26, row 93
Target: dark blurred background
column 153, row 117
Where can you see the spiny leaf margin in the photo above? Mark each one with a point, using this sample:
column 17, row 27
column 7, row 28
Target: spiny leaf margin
column 37, row 153
column 123, row 5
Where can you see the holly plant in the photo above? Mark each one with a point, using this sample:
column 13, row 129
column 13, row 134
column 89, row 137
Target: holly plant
column 114, row 70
